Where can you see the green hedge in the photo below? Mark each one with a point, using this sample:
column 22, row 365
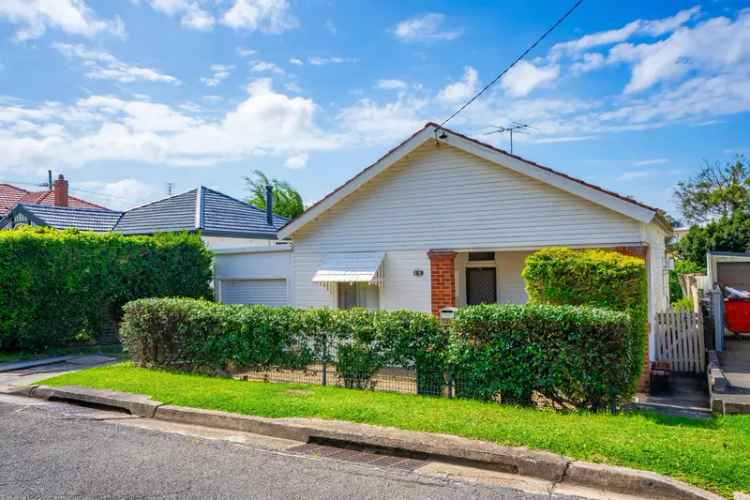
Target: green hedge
column 201, row 335
column 61, row 286
column 571, row 355
column 595, row 278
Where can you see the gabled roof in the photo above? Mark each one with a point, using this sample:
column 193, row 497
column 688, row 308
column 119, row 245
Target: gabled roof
column 85, row 219
column 10, row 196
column 211, row 212
column 431, row 131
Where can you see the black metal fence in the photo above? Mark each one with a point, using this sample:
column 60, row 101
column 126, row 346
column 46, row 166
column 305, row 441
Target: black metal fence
column 356, row 367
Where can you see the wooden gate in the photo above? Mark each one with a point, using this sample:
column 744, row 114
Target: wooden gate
column 679, row 339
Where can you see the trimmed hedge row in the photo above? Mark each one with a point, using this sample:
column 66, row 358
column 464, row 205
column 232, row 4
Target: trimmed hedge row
column 61, row 286
column 571, row 355
column 596, row 278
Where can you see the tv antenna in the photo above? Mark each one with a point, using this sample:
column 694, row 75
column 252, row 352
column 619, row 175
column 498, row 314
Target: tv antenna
column 170, row 188
column 517, row 127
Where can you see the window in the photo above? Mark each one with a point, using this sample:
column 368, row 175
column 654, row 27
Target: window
column 358, row 295
column 481, row 256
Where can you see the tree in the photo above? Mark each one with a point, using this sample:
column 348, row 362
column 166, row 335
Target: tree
column 727, row 234
column 287, row 202
column 717, row 191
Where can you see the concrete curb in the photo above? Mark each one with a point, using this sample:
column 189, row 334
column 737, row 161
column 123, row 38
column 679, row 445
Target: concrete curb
column 438, row 447
column 22, row 365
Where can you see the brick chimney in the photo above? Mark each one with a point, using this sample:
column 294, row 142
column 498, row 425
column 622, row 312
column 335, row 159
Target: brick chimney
column 60, row 188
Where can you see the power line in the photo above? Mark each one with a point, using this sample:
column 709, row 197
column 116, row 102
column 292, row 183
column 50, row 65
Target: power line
column 518, row 59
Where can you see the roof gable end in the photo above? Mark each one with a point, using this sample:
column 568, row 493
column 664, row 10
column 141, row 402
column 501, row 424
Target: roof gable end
column 431, row 131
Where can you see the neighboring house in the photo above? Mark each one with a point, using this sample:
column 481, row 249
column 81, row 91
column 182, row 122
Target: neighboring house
column 222, row 221
column 10, row 196
column 443, row 221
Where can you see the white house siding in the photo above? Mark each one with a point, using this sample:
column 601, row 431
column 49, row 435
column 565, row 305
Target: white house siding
column 440, row 197
column 511, row 285
column 658, row 276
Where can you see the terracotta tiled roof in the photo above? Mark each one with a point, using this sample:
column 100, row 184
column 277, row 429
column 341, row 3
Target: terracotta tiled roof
column 10, row 196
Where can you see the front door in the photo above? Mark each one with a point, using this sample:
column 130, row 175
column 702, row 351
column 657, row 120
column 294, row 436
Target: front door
column 481, row 285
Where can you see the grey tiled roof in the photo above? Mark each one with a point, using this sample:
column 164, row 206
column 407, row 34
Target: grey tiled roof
column 176, row 213
column 203, row 209
column 211, row 212
column 85, row 219
column 224, row 214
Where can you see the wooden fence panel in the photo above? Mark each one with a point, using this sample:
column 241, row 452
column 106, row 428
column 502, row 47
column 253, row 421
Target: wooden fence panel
column 679, row 339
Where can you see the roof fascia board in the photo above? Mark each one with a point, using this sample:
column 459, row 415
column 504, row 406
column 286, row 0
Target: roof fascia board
column 355, row 183
column 631, row 210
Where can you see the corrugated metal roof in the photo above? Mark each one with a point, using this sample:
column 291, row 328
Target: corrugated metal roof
column 85, row 219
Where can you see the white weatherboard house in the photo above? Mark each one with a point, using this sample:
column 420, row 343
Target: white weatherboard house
column 443, row 221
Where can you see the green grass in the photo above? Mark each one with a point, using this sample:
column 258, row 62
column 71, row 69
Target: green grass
column 106, row 350
column 712, row 454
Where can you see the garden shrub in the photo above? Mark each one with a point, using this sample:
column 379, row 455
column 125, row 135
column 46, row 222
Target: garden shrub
column 255, row 336
column 596, row 278
column 59, row 286
column 571, row 355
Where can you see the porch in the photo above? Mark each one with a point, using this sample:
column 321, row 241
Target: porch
column 469, row 277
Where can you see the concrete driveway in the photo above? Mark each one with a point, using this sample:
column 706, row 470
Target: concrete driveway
column 27, row 373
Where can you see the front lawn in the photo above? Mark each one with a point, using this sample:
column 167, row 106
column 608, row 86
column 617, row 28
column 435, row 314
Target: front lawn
column 712, row 454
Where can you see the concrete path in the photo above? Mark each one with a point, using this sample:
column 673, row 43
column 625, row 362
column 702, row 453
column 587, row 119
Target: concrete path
column 735, row 363
column 26, row 374
column 58, row 450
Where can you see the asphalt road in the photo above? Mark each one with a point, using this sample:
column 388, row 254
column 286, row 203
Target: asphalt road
column 55, row 450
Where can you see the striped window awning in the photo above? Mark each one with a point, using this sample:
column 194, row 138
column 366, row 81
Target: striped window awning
column 351, row 267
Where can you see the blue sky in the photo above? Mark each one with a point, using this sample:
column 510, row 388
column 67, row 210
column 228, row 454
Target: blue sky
column 125, row 96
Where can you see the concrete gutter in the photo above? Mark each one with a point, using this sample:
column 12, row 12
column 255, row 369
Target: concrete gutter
column 23, row 365
column 386, row 440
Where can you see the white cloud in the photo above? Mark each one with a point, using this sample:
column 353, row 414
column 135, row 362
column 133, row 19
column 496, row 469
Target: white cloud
column 297, row 61
column 192, row 14
column 269, row 16
column 461, row 90
column 390, row 84
column 107, row 128
column 293, row 87
column 590, row 61
column 220, row 72
column 654, row 161
column 104, row 66
column 634, row 175
column 330, row 27
column 427, row 28
column 297, row 161
column 639, row 26
column 322, row 61
column 266, row 67
column 716, row 45
column 245, row 52
column 369, row 122
column 74, row 17
column 524, row 77
column 117, row 195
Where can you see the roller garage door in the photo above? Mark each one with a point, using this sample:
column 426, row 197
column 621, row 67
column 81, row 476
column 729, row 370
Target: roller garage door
column 269, row 292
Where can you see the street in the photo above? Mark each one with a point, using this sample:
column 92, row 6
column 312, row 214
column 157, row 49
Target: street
column 54, row 450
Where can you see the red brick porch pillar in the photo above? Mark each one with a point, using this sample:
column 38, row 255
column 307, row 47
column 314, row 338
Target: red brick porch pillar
column 443, row 279
column 644, row 382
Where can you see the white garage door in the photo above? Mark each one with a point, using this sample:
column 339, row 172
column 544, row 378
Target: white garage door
column 270, row 292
